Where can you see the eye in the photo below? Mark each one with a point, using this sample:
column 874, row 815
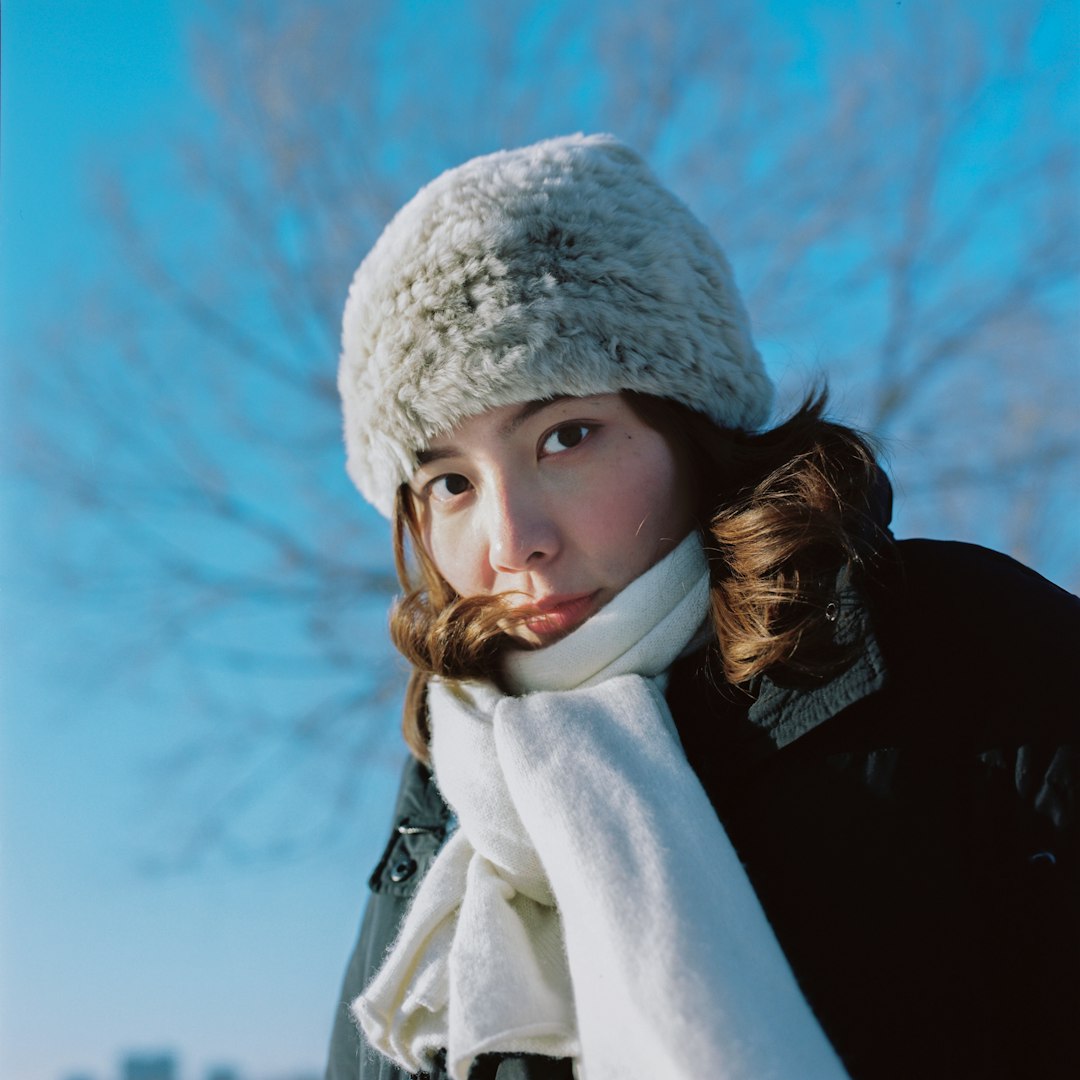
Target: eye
column 565, row 437
column 447, row 486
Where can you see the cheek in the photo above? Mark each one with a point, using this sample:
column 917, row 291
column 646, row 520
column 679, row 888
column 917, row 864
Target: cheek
column 453, row 557
column 641, row 505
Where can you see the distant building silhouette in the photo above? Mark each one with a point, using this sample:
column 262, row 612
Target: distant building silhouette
column 149, row 1067
column 163, row 1065
column 222, row 1072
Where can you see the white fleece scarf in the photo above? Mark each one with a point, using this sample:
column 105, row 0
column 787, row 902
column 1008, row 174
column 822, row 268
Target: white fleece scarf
column 590, row 904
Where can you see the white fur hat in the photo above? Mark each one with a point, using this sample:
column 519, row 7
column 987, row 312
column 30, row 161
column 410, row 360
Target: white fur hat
column 561, row 268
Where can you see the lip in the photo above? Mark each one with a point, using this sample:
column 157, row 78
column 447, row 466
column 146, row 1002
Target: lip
column 555, row 616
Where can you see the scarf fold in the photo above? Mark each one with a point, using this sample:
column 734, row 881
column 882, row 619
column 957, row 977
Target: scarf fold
column 590, row 904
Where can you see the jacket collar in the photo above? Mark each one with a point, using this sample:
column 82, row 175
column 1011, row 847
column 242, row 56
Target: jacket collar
column 784, row 711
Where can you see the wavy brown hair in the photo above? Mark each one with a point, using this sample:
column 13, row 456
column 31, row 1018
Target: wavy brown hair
column 781, row 514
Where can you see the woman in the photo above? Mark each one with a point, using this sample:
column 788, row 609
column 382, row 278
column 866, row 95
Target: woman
column 742, row 786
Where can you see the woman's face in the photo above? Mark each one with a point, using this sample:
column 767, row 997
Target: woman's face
column 562, row 503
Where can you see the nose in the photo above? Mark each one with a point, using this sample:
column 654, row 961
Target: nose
column 522, row 532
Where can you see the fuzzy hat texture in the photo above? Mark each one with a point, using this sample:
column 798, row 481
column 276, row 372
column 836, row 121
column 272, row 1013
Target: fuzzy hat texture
column 561, row 268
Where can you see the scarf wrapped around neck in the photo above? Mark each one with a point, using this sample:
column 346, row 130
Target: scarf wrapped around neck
column 590, row 904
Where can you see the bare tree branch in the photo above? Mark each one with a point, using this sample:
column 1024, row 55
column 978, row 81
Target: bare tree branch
column 881, row 213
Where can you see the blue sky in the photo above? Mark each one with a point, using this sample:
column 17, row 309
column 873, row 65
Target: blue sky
column 235, row 966
column 77, row 78
column 224, row 963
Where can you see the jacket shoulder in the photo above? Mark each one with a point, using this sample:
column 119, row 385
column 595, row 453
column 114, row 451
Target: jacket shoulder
column 976, row 633
column 421, row 823
column 996, row 600
column 955, row 564
column 419, row 826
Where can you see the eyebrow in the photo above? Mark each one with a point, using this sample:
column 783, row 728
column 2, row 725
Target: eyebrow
column 425, row 457
column 530, row 408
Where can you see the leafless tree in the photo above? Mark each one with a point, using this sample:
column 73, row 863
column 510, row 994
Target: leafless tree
column 898, row 198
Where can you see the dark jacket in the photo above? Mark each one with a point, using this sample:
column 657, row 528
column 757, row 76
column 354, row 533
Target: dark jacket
column 908, row 825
